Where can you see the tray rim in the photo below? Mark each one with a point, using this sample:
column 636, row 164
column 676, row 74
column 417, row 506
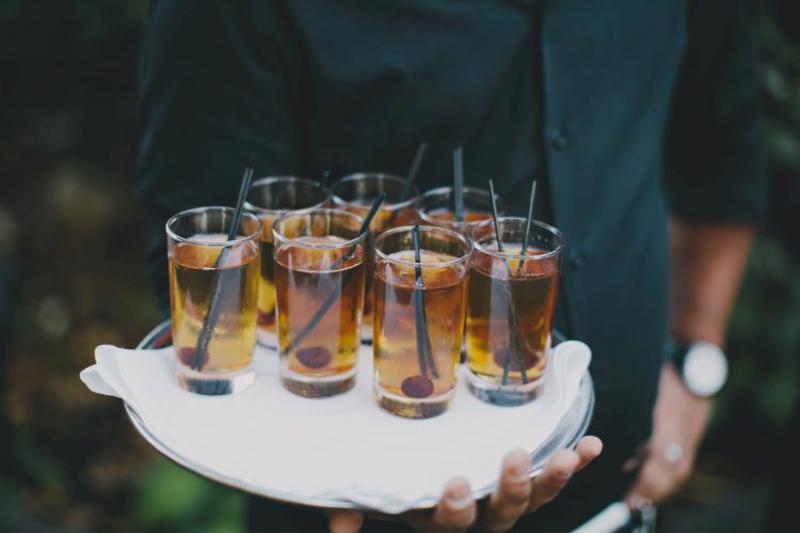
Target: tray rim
column 568, row 440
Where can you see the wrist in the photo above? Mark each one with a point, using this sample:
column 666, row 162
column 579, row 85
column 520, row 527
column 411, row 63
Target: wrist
column 680, row 416
column 692, row 327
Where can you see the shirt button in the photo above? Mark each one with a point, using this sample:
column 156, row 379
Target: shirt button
column 558, row 139
column 576, row 259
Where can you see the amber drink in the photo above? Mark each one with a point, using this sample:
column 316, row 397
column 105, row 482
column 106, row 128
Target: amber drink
column 437, row 207
column 511, row 302
column 355, row 193
column 213, row 350
column 420, row 310
column 320, row 266
column 268, row 199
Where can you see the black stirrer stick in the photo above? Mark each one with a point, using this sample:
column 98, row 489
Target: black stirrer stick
column 325, row 177
column 514, row 341
column 200, row 355
column 494, row 220
column 424, row 349
column 458, row 183
column 414, row 170
column 527, row 228
column 336, row 292
column 373, row 210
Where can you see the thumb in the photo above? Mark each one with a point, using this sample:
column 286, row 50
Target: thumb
column 345, row 521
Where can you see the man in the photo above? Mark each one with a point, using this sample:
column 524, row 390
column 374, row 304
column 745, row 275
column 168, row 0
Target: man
column 599, row 101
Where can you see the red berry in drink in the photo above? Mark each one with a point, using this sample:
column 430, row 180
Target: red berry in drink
column 417, row 386
column 266, row 319
column 314, row 356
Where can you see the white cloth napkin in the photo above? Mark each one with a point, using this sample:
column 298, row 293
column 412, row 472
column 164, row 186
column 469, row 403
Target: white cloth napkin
column 346, row 448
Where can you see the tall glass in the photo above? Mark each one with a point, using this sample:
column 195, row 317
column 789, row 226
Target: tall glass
column 213, row 286
column 510, row 313
column 269, row 198
column 355, row 193
column 419, row 319
column 437, row 207
column 320, row 267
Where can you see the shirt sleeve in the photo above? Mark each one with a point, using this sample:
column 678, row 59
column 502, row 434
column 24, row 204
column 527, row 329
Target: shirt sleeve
column 215, row 97
column 715, row 157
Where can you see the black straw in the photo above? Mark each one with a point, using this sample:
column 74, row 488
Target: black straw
column 458, row 183
column 200, row 355
column 527, row 228
column 414, row 170
column 494, row 219
column 373, row 210
column 325, row 177
column 337, row 291
column 424, row 348
column 512, row 313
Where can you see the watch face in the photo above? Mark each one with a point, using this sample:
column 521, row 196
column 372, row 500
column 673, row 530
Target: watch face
column 705, row 369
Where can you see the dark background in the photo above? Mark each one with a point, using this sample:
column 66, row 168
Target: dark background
column 71, row 277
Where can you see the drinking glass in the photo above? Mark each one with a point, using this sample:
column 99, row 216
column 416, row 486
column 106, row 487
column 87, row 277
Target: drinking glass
column 437, row 207
column 320, row 267
column 269, row 198
column 355, row 193
column 420, row 310
column 213, row 285
column 510, row 312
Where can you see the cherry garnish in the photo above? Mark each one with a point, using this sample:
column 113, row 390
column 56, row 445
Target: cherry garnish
column 266, row 319
column 417, row 386
column 186, row 354
column 502, row 355
column 314, row 356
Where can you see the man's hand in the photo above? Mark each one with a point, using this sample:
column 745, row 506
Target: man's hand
column 679, row 420
column 707, row 266
column 516, row 495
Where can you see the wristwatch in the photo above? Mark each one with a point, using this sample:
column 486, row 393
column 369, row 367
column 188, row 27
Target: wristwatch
column 702, row 366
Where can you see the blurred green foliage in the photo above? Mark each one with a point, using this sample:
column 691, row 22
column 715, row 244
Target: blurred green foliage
column 76, row 236
column 72, row 253
column 764, row 334
column 201, row 506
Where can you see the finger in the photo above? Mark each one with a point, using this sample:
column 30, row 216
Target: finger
column 514, row 489
column 652, row 485
column 556, row 474
column 456, row 510
column 588, row 449
column 635, row 499
column 631, row 464
column 642, row 451
column 345, row 521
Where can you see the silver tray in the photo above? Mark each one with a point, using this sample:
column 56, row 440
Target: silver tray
column 566, row 435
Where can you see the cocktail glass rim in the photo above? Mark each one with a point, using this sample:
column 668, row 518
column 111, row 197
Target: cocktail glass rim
column 317, row 245
column 423, row 213
column 241, row 239
column 507, row 255
column 266, row 180
column 426, row 264
column 387, row 206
